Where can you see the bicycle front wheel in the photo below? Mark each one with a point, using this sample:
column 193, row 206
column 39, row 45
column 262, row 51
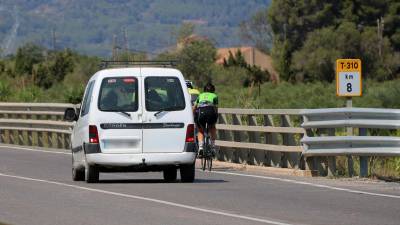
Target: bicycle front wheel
column 209, row 162
column 203, row 162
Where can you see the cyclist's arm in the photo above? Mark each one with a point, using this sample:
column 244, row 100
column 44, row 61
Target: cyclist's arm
column 215, row 101
column 195, row 105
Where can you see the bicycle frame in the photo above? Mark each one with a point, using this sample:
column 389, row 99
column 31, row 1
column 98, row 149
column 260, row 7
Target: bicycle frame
column 207, row 151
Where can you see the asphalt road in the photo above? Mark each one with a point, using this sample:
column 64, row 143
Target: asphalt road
column 36, row 188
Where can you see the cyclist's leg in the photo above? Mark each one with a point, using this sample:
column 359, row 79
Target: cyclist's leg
column 199, row 134
column 213, row 130
column 200, row 139
column 207, row 141
column 210, row 150
column 213, row 134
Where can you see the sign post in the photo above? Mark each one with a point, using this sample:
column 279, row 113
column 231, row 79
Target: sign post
column 349, row 84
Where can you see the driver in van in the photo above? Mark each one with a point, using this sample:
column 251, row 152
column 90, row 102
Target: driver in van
column 125, row 96
column 206, row 112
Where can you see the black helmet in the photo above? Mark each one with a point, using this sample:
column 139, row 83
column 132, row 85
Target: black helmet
column 189, row 84
column 209, row 87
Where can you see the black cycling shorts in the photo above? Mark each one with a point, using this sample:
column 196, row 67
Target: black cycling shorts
column 206, row 115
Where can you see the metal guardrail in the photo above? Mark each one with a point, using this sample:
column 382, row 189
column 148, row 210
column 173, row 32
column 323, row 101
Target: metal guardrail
column 35, row 124
column 260, row 137
column 264, row 137
column 323, row 125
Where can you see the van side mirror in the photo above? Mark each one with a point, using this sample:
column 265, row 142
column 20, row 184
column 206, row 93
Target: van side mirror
column 70, row 115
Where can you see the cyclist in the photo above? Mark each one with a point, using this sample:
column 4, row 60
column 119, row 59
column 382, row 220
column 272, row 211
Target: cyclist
column 194, row 93
column 206, row 112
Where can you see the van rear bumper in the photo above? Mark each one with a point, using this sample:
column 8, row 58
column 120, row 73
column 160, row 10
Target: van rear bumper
column 144, row 159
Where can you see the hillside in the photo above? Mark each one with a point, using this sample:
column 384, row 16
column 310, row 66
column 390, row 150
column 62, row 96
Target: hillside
column 88, row 26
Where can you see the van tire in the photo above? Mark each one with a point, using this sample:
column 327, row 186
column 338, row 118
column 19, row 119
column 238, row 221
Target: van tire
column 78, row 175
column 92, row 174
column 187, row 173
column 170, row 174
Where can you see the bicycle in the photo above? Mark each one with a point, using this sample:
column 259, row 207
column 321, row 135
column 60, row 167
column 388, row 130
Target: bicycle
column 207, row 157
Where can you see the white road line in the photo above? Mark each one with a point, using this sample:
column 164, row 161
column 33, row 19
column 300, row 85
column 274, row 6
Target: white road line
column 34, row 150
column 252, row 176
column 309, row 184
column 254, row 219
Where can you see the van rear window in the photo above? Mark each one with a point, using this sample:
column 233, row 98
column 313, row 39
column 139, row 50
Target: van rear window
column 119, row 94
column 164, row 94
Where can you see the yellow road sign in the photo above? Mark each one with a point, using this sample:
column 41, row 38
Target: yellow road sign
column 348, row 77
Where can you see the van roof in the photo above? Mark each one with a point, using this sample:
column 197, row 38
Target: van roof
column 136, row 71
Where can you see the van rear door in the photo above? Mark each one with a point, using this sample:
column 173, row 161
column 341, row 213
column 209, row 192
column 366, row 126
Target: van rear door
column 165, row 112
column 120, row 115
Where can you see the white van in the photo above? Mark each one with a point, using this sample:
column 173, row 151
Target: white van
column 134, row 119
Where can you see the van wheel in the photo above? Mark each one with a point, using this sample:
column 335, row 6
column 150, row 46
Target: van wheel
column 78, row 175
column 92, row 174
column 170, row 174
column 187, row 173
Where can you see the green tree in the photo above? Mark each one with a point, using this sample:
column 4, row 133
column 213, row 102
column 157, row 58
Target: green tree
column 235, row 60
column 62, row 64
column 291, row 21
column 54, row 69
column 379, row 66
column 345, row 28
column 315, row 61
column 392, row 24
column 5, row 90
column 27, row 56
column 43, row 77
column 196, row 59
column 255, row 75
column 185, row 30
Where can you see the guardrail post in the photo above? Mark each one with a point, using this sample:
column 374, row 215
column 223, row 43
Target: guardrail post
column 67, row 140
column 35, row 139
column 241, row 155
column 21, row 140
column 308, row 161
column 363, row 159
column 60, row 140
column 350, row 165
column 331, row 159
column 43, row 139
column 273, row 158
column 12, row 137
column 254, row 137
column 30, row 138
column 291, row 158
column 53, row 140
column 350, row 132
column 225, row 154
column 6, row 136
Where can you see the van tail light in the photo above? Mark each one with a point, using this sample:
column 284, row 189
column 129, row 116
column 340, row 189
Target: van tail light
column 93, row 134
column 190, row 133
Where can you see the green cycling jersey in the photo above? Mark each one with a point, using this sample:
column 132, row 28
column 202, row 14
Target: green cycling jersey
column 207, row 98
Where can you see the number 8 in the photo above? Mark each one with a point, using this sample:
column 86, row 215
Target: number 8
column 349, row 89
